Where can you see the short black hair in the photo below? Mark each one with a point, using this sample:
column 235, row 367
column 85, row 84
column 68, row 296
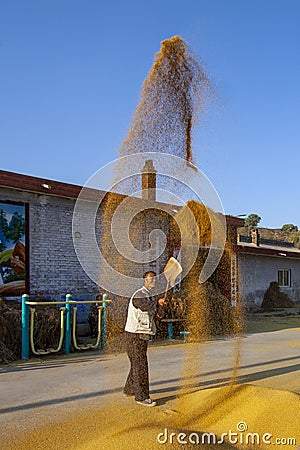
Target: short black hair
column 148, row 273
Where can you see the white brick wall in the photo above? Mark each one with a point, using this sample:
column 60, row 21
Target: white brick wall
column 257, row 271
column 54, row 268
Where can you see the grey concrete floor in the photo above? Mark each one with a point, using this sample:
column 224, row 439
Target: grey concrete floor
column 50, row 389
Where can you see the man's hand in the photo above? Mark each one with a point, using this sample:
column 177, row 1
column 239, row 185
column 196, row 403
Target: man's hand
column 162, row 302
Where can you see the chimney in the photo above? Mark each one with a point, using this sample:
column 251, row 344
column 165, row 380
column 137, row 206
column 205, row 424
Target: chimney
column 149, row 181
column 255, row 237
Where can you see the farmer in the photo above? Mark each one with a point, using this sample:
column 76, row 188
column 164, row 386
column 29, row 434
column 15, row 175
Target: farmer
column 140, row 326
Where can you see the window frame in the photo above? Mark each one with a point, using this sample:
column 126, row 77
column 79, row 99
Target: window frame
column 283, row 276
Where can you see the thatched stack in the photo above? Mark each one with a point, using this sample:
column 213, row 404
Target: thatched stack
column 10, row 330
column 274, row 298
column 209, row 311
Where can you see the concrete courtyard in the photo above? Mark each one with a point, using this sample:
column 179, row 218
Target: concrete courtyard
column 45, row 391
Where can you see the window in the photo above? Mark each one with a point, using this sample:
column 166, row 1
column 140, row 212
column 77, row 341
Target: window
column 284, row 278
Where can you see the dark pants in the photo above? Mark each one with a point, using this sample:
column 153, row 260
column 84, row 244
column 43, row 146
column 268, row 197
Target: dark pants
column 137, row 382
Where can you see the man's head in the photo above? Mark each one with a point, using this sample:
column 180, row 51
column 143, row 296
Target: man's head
column 149, row 280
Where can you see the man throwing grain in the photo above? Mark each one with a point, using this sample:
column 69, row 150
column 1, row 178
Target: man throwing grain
column 139, row 328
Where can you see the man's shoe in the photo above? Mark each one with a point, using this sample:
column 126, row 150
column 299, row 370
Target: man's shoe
column 147, row 402
column 127, row 395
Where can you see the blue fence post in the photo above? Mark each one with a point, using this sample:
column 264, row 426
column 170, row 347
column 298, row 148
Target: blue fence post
column 25, row 327
column 170, row 330
column 68, row 324
column 103, row 322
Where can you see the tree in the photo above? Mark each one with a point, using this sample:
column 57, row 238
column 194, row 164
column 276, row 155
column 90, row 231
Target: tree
column 252, row 220
column 295, row 238
column 3, row 230
column 289, row 227
column 3, row 222
column 16, row 227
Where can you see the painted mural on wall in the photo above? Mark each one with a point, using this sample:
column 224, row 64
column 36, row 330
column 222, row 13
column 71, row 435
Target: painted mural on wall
column 12, row 249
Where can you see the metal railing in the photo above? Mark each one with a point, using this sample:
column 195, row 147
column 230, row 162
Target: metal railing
column 65, row 325
column 274, row 242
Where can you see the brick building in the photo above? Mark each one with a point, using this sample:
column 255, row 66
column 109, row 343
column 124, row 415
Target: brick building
column 51, row 263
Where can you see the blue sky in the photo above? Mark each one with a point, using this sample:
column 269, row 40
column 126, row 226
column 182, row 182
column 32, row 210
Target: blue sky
column 71, row 73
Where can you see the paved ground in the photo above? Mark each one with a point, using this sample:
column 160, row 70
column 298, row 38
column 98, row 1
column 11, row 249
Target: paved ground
column 50, row 389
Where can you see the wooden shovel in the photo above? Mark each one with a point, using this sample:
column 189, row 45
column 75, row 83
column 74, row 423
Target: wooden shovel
column 171, row 271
